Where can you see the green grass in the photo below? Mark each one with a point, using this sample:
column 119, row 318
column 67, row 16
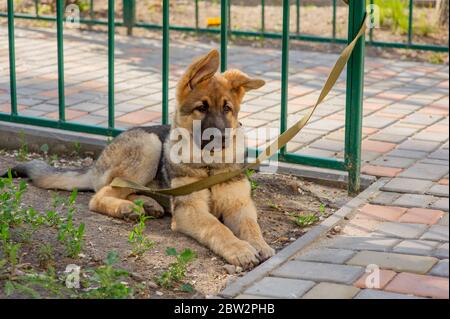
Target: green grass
column 104, row 281
column 140, row 243
column 304, row 220
column 253, row 184
column 69, row 234
column 177, row 270
column 108, row 281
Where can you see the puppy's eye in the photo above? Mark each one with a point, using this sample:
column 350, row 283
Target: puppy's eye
column 203, row 108
column 227, row 108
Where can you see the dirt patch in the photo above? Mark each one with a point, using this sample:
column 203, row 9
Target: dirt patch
column 277, row 198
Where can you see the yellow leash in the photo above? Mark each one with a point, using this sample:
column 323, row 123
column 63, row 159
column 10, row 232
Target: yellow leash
column 163, row 196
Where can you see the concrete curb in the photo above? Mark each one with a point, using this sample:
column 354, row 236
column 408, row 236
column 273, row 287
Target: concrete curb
column 62, row 142
column 285, row 254
column 13, row 135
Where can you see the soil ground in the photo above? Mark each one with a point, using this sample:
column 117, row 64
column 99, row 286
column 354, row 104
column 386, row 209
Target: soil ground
column 276, row 196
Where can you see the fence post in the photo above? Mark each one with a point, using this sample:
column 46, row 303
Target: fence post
column 165, row 62
column 129, row 15
column 224, row 10
column 12, row 58
column 263, row 16
column 410, row 21
column 60, row 45
column 111, row 72
column 334, row 19
column 285, row 68
column 354, row 102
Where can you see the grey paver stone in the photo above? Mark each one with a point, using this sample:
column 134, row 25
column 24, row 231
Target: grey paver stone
column 407, row 185
column 327, row 255
column 280, row 287
column 394, row 261
column 395, row 162
column 444, row 220
column 414, row 200
column 441, row 204
column 247, row 296
column 436, row 232
column 441, row 154
column 325, row 290
column 400, row 230
column 441, row 251
column 425, row 171
column 439, row 190
column 407, row 154
column 364, row 243
column 441, row 269
column 416, row 247
column 319, row 271
column 385, row 198
column 421, row 146
column 379, row 294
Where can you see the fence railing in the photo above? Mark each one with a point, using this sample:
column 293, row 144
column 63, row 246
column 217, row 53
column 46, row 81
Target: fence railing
column 129, row 21
column 355, row 73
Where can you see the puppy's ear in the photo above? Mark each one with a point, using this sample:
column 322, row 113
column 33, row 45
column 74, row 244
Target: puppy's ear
column 238, row 79
column 201, row 70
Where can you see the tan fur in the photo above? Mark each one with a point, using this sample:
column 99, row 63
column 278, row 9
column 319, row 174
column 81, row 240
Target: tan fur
column 238, row 240
column 135, row 155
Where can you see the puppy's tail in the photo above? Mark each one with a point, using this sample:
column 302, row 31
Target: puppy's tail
column 45, row 176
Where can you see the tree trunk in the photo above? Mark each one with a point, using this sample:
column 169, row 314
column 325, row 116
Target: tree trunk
column 443, row 12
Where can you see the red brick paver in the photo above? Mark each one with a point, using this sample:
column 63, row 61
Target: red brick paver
column 139, row 117
column 385, row 277
column 419, row 285
column 383, row 213
column 381, row 171
column 379, row 147
column 421, row 216
column 70, row 115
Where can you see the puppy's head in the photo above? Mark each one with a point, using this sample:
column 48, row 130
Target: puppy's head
column 213, row 99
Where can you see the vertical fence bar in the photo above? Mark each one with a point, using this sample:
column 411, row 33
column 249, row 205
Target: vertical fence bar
column 12, row 58
column 263, row 16
column 196, row 15
column 298, row 15
column 355, row 85
column 224, row 35
column 410, row 21
column 60, row 44
column 334, row 19
column 36, row 8
column 165, row 63
column 91, row 8
column 372, row 22
column 129, row 15
column 111, row 73
column 285, row 68
column 229, row 14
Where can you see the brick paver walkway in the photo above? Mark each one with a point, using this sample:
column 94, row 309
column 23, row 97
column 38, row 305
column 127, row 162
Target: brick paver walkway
column 403, row 230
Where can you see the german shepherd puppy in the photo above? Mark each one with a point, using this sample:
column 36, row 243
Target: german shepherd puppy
column 222, row 218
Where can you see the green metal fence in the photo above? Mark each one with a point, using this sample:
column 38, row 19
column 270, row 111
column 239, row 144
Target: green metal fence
column 129, row 21
column 355, row 71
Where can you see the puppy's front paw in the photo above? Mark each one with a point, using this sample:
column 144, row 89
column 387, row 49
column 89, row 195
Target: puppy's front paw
column 264, row 250
column 241, row 253
column 153, row 209
column 128, row 211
